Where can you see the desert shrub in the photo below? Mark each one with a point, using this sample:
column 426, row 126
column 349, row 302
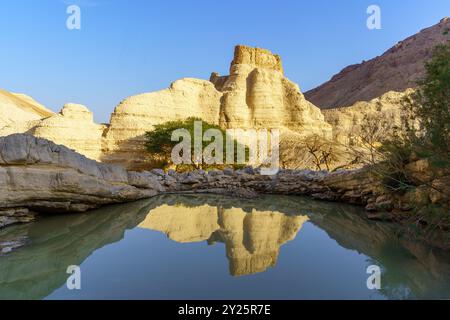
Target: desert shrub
column 430, row 140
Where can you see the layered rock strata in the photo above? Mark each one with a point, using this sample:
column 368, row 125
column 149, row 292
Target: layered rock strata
column 17, row 109
column 255, row 95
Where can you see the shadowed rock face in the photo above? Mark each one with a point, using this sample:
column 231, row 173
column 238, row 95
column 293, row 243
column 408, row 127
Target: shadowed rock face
column 397, row 69
column 50, row 245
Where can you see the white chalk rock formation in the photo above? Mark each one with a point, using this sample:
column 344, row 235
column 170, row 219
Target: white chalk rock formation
column 255, row 95
column 124, row 139
column 17, row 109
column 73, row 127
column 38, row 175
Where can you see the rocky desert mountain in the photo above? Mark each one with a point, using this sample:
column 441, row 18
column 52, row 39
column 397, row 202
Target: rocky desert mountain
column 398, row 69
column 17, row 108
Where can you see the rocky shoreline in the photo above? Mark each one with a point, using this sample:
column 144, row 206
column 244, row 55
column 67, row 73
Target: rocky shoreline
column 39, row 176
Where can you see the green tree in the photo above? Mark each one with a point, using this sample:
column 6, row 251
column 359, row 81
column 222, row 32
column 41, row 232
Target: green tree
column 427, row 121
column 427, row 138
column 159, row 143
column 431, row 103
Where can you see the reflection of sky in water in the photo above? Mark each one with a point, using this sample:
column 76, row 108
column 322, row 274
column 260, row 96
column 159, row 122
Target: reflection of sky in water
column 208, row 251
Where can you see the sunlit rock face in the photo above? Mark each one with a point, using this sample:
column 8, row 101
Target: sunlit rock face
column 255, row 95
column 18, row 109
column 252, row 240
column 38, row 175
column 124, row 139
column 73, row 127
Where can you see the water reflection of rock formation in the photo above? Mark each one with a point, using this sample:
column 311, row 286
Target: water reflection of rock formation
column 39, row 267
column 252, row 240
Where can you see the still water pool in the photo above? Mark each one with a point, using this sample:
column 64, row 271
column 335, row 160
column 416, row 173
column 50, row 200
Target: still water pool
column 213, row 247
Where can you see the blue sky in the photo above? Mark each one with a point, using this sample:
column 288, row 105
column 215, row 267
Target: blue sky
column 127, row 47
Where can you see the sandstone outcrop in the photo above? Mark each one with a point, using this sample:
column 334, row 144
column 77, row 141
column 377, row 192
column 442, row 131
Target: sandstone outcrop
column 16, row 109
column 72, row 127
column 255, row 95
column 398, row 69
column 124, row 138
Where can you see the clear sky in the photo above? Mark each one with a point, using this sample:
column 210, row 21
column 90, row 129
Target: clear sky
column 126, row 47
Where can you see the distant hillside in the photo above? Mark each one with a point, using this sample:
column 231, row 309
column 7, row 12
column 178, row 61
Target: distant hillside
column 397, row 69
column 16, row 108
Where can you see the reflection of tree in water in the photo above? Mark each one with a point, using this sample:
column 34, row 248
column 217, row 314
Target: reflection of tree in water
column 38, row 268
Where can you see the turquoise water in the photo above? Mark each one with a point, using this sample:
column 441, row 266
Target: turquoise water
column 213, row 247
